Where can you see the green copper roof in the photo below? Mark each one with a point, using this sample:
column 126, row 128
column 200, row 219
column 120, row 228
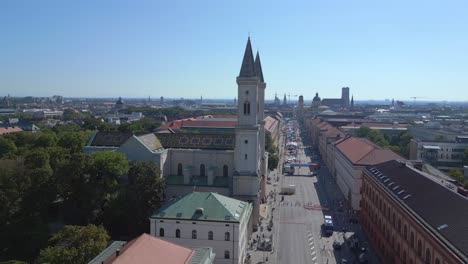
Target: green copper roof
column 216, row 207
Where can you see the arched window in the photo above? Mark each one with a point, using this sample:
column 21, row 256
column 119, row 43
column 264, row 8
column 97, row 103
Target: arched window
column 202, row 170
column 194, row 234
column 177, row 233
column 404, row 256
column 225, row 170
column 405, row 232
column 180, row 171
column 227, row 236
column 245, row 156
column 419, row 248
column 226, row 254
column 428, row 256
column 210, row 235
column 437, row 261
column 161, row 232
column 246, row 108
column 398, row 249
column 399, row 226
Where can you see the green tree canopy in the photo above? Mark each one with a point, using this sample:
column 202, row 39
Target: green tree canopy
column 46, row 139
column 6, row 146
column 456, row 174
column 75, row 245
column 137, row 201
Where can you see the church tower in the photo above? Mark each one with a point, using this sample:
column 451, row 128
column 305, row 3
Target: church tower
column 248, row 152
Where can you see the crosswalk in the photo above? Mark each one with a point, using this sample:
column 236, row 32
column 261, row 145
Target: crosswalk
column 308, row 206
column 311, row 242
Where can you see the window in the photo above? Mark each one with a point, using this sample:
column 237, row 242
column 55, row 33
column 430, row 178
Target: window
column 246, row 108
column 412, row 239
column 225, row 170
column 194, row 234
column 419, row 248
column 245, row 156
column 202, row 170
column 210, row 235
column 179, row 170
column 226, row 254
column 437, row 261
column 428, row 256
column 177, row 233
column 399, row 226
column 405, row 232
column 404, row 256
column 227, row 236
column 161, row 232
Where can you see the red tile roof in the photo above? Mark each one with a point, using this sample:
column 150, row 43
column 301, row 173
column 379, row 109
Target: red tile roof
column 8, row 130
column 361, row 151
column 148, row 249
column 270, row 122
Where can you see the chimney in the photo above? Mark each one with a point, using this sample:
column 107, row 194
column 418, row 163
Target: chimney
column 117, row 252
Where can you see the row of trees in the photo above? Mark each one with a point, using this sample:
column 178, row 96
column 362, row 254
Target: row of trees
column 398, row 143
column 273, row 157
column 46, row 182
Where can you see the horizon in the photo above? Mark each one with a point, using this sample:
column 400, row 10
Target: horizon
column 173, row 49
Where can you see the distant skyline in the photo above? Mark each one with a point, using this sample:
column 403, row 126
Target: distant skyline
column 381, row 50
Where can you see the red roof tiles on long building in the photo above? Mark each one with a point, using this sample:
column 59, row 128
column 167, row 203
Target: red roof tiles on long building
column 361, row 151
column 149, row 249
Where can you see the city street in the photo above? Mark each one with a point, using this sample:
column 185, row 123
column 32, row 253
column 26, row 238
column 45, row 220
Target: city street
column 300, row 216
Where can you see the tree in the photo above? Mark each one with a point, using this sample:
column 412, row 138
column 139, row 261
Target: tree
column 74, row 141
column 128, row 214
column 363, row 131
column 75, row 187
column 70, row 114
column 6, row 146
column 75, row 245
column 107, row 169
column 456, row 174
column 465, row 157
column 273, row 160
column 45, row 140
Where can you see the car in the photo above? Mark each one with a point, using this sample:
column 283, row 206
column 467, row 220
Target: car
column 344, row 261
column 327, row 217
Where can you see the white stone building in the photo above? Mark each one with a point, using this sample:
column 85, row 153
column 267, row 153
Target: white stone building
column 206, row 219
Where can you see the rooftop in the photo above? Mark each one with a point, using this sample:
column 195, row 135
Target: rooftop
column 197, row 141
column 204, row 206
column 146, row 249
column 361, row 151
column 444, row 210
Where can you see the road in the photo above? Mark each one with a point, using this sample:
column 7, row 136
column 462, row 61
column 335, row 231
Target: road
column 300, row 216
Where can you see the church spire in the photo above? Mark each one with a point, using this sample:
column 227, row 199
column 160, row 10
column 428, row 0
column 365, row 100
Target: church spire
column 248, row 65
column 258, row 67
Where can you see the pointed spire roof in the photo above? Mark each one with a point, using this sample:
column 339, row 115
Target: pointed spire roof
column 258, row 67
column 248, row 65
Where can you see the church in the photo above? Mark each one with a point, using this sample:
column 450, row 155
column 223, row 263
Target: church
column 227, row 157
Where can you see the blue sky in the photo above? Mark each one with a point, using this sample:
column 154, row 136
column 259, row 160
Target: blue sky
column 380, row 49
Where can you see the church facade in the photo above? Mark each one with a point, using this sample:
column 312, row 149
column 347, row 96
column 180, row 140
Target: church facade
column 227, row 156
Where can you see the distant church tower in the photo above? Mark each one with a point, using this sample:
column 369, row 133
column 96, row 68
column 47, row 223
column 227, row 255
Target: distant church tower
column 352, row 101
column 250, row 136
column 284, row 99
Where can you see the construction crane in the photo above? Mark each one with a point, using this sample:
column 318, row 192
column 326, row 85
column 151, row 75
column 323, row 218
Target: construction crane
column 289, row 96
column 416, row 97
